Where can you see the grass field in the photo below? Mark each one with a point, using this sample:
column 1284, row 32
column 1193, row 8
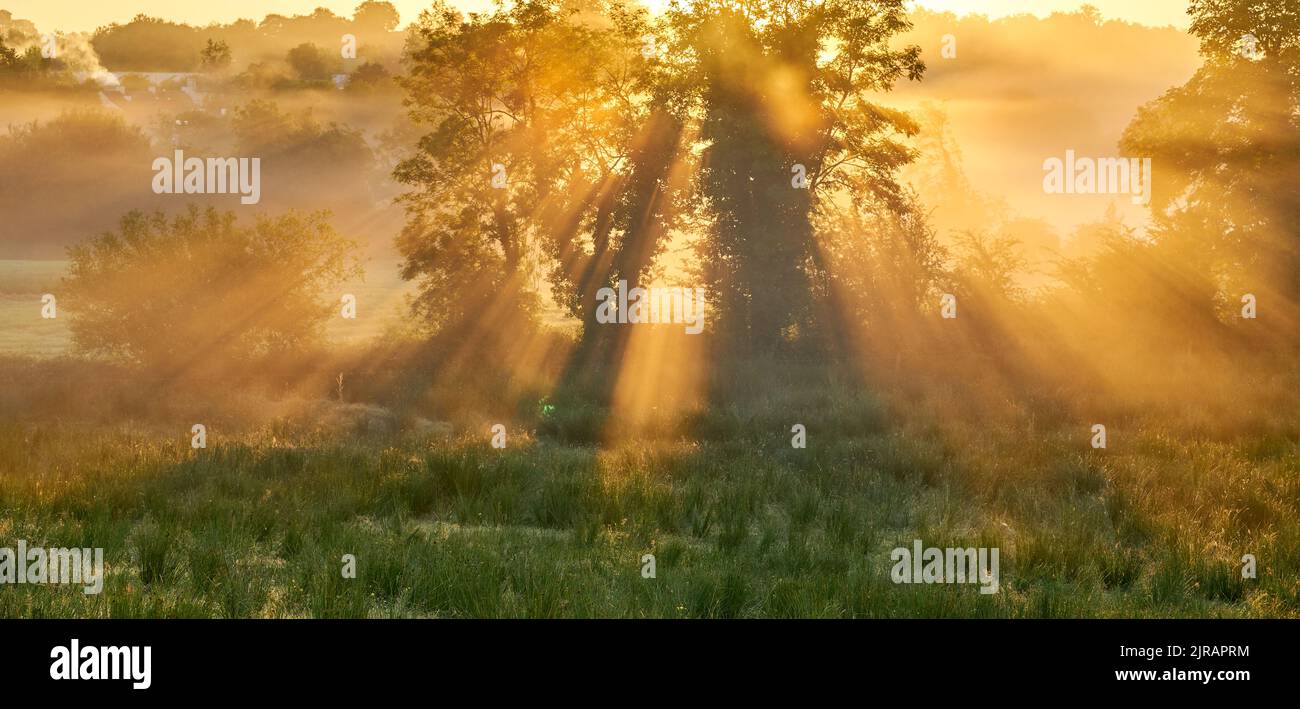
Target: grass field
column 22, row 329
column 740, row 523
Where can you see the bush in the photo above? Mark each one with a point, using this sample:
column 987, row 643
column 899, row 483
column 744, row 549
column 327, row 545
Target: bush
column 200, row 289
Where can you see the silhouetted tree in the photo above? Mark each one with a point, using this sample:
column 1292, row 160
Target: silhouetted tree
column 309, row 62
column 1226, row 153
column 528, row 109
column 776, row 103
column 216, row 55
column 373, row 16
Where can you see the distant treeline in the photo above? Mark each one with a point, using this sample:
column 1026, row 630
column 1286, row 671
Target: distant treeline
column 75, row 175
column 152, row 44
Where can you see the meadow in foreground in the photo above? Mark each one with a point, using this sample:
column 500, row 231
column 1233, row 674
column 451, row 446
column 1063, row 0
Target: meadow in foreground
column 741, row 524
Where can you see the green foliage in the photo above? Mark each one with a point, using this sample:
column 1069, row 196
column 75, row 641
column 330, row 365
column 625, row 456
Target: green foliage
column 149, row 44
column 1228, row 146
column 8, row 57
column 589, row 123
column 310, row 62
column 376, row 16
column 528, row 94
column 216, row 55
column 336, row 157
column 198, row 289
column 370, row 76
column 152, row 44
column 988, row 267
column 770, row 100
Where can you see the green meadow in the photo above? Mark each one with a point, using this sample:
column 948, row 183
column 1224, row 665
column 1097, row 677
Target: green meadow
column 740, row 523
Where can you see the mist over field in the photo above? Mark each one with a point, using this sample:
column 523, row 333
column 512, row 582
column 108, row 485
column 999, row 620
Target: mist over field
column 1022, row 85
column 711, row 308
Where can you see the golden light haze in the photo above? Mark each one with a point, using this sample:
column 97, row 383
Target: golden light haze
column 84, row 15
column 933, row 309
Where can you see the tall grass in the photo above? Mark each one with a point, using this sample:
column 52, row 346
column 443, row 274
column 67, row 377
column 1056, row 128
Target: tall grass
column 741, row 524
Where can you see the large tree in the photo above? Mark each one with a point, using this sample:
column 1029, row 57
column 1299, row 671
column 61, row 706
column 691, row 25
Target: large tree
column 785, row 91
column 1225, row 148
column 531, row 114
column 600, row 130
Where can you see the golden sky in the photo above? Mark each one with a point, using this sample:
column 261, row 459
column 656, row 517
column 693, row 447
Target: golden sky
column 83, row 15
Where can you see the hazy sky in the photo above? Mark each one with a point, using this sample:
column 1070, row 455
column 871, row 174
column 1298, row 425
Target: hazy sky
column 81, row 15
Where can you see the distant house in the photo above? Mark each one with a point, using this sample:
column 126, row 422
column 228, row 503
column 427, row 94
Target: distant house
column 118, row 89
column 185, row 81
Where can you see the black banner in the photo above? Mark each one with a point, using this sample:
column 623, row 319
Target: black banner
column 933, row 657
